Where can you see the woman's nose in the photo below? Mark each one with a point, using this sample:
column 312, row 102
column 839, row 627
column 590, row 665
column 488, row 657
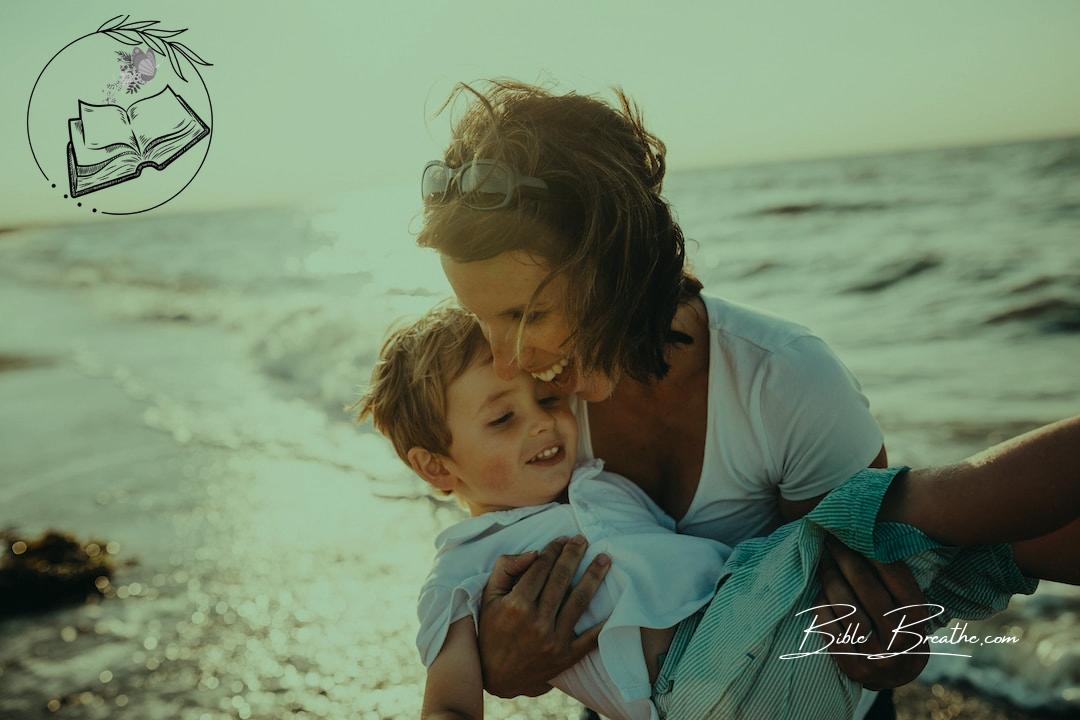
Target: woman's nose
column 504, row 367
column 504, row 358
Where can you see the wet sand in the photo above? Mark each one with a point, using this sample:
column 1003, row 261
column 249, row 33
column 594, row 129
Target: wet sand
column 920, row 701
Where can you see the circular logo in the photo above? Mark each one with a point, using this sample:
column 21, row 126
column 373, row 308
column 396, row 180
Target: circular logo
column 119, row 120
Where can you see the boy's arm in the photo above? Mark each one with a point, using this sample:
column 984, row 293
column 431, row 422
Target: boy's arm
column 1018, row 490
column 455, row 689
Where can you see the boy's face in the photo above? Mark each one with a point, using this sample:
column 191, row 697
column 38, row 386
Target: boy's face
column 514, row 441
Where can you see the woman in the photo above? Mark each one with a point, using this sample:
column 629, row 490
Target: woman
column 548, row 218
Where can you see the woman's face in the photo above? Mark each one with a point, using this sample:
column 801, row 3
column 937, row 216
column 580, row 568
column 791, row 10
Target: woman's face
column 497, row 291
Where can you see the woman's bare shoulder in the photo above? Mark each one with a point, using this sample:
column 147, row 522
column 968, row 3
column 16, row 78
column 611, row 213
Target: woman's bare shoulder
column 689, row 361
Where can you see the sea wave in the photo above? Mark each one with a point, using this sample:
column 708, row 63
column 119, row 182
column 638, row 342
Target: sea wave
column 826, row 207
column 1050, row 315
column 1068, row 162
column 897, row 272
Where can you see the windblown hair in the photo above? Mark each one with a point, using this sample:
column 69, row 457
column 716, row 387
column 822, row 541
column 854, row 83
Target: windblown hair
column 406, row 398
column 602, row 223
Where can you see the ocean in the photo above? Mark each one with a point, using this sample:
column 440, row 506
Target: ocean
column 179, row 386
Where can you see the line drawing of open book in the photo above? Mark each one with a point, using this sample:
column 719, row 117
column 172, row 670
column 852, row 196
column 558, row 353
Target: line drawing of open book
column 108, row 145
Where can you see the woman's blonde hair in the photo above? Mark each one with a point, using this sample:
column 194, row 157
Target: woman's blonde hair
column 603, row 222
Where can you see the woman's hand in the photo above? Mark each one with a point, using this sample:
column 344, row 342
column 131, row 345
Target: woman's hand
column 874, row 589
column 526, row 634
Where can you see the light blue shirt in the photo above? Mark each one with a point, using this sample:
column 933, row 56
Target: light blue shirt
column 657, row 578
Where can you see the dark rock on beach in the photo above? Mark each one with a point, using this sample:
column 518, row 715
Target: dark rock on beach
column 53, row 570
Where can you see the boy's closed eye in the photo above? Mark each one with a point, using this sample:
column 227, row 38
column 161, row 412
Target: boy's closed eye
column 548, row 401
column 501, row 420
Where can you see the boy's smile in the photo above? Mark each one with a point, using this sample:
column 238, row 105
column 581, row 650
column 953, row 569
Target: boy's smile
column 514, row 441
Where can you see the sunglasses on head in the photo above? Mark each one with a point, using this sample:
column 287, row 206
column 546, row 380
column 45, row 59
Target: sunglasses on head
column 482, row 184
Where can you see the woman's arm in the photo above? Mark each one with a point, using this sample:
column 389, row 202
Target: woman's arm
column 1021, row 489
column 527, row 619
column 1052, row 556
column 454, row 690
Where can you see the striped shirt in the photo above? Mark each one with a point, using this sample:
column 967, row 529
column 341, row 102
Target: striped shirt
column 732, row 666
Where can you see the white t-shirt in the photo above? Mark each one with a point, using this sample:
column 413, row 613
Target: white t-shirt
column 786, row 418
column 643, row 588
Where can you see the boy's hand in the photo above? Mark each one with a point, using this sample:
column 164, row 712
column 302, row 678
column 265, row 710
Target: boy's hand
column 874, row 589
column 527, row 617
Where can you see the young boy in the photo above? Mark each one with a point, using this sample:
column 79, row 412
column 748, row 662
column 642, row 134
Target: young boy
column 506, row 450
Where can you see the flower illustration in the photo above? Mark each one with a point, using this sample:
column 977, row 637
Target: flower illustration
column 144, row 63
column 136, row 68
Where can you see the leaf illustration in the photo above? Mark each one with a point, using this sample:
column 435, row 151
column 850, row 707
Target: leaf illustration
column 106, row 23
column 158, row 32
column 130, row 34
column 174, row 62
column 121, row 36
column 190, row 54
column 139, row 25
column 153, row 42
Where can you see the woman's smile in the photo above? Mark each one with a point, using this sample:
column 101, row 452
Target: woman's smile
column 549, row 374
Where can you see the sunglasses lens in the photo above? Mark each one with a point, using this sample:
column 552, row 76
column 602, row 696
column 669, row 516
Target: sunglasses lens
column 485, row 185
column 435, row 182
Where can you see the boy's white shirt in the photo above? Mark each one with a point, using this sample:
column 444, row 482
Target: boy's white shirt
column 643, row 588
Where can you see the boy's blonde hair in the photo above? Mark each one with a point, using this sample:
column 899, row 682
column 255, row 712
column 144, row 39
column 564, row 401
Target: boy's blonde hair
column 406, row 397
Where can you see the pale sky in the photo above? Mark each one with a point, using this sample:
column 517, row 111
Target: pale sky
column 314, row 99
